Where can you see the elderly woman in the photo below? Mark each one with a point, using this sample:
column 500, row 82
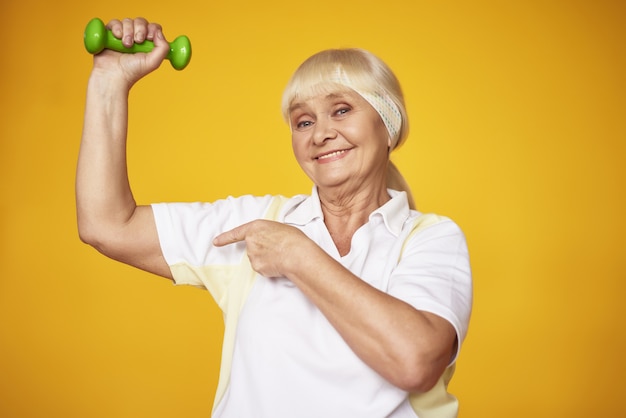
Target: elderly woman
column 343, row 303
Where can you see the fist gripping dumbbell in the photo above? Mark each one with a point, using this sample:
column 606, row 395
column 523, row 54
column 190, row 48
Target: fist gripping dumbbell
column 97, row 38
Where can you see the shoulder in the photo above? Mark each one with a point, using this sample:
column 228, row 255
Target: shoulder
column 432, row 223
column 433, row 232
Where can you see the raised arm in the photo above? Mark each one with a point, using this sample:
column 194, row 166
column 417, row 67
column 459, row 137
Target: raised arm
column 108, row 217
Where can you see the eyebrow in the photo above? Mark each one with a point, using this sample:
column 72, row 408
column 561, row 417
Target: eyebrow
column 296, row 106
column 299, row 105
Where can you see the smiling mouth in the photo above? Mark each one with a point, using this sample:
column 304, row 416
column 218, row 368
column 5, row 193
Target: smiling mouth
column 331, row 155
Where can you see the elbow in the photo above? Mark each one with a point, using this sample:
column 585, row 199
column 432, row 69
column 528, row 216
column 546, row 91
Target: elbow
column 85, row 234
column 100, row 241
column 91, row 239
column 418, row 378
column 423, row 361
column 95, row 237
column 420, row 369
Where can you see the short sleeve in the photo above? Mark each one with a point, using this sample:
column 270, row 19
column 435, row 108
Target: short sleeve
column 434, row 275
column 186, row 232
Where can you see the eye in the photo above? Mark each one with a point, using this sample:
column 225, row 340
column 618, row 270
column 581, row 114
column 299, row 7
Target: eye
column 301, row 120
column 304, row 124
column 342, row 111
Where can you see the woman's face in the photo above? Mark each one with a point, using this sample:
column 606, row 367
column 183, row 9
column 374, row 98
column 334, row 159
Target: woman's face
column 340, row 140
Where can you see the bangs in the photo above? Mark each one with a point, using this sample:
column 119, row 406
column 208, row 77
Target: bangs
column 306, row 91
column 336, row 71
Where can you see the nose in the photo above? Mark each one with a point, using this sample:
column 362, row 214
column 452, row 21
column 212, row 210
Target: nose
column 323, row 131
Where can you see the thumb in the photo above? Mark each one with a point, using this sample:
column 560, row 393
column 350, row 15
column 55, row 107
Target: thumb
column 160, row 50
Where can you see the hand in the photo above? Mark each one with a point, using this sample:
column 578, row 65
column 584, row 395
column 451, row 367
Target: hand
column 272, row 247
column 134, row 66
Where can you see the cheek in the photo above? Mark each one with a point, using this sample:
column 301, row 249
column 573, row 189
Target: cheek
column 297, row 145
column 383, row 134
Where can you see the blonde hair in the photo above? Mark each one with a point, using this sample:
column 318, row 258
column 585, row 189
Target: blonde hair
column 327, row 71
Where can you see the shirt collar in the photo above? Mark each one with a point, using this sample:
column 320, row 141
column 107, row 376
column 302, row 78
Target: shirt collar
column 393, row 213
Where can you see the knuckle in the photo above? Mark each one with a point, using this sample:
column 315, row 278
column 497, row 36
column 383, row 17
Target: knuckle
column 113, row 22
column 115, row 25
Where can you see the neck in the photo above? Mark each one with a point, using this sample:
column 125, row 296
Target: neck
column 352, row 205
column 345, row 213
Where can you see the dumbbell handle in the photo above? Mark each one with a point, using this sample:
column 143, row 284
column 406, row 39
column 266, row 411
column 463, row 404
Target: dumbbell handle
column 97, row 38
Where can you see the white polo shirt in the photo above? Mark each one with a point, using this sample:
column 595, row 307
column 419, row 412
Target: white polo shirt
column 281, row 357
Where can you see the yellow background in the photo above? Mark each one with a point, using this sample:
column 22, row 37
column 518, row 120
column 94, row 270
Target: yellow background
column 518, row 133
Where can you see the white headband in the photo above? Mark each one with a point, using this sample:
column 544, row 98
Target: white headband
column 386, row 108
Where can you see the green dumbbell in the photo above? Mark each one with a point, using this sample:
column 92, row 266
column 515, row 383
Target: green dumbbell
column 97, row 38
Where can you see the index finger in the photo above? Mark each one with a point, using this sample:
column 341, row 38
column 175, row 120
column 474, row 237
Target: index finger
column 230, row 237
column 115, row 26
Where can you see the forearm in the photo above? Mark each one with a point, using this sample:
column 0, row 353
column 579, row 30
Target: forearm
column 103, row 193
column 408, row 347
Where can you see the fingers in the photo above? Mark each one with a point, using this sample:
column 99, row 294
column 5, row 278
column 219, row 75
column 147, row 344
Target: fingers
column 153, row 30
column 230, row 237
column 134, row 30
column 128, row 30
column 137, row 31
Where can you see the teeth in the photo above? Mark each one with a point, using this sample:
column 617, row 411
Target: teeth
column 332, row 154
